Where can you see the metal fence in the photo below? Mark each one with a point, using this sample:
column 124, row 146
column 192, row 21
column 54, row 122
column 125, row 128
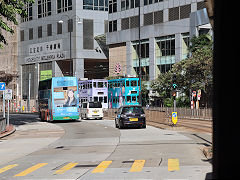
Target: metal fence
column 2, row 125
column 186, row 113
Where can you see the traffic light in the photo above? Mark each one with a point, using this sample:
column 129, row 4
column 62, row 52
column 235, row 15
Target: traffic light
column 174, row 81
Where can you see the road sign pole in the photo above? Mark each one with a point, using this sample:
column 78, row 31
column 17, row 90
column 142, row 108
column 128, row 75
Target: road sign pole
column 4, row 104
column 8, row 114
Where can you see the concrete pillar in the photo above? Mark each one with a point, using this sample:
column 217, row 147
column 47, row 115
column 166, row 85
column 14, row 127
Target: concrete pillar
column 56, row 71
column 152, row 59
column 129, row 61
column 78, row 68
column 178, row 47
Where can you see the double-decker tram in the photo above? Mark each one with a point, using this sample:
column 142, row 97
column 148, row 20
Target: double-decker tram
column 95, row 90
column 58, row 99
column 123, row 91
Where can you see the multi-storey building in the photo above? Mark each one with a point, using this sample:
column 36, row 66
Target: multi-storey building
column 164, row 29
column 57, row 39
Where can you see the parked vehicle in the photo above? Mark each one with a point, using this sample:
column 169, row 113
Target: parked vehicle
column 130, row 115
column 91, row 110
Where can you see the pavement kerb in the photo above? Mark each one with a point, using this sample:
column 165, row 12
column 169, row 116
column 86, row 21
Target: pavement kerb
column 10, row 130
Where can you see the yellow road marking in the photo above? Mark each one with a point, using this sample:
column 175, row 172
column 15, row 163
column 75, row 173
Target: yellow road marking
column 65, row 168
column 137, row 166
column 31, row 169
column 173, row 164
column 102, row 166
column 7, row 168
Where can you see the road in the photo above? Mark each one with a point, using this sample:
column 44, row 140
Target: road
column 95, row 149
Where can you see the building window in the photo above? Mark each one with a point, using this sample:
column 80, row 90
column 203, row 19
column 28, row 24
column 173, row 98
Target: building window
column 185, row 45
column 30, row 34
column 158, row 17
column 49, row 30
column 124, row 23
column 44, row 8
column 88, row 41
column 39, row 31
column 134, row 22
column 165, row 52
column 98, row 5
column 148, row 19
column 22, row 35
column 59, row 28
column 64, row 5
column 144, row 50
column 181, row 12
column 28, row 8
column 112, row 6
column 112, row 26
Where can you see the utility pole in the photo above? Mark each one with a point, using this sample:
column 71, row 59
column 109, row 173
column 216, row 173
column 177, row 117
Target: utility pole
column 29, row 91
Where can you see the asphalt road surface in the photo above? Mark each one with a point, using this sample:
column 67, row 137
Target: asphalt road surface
column 95, row 149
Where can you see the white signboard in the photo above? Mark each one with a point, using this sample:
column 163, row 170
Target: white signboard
column 46, row 57
column 8, row 94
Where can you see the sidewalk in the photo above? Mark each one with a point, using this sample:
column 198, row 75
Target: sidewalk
column 9, row 130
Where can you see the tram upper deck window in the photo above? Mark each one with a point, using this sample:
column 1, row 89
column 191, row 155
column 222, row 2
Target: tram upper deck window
column 128, row 99
column 133, row 83
column 95, row 84
column 127, row 84
column 100, row 84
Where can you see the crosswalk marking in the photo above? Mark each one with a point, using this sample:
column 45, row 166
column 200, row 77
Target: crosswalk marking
column 102, row 166
column 7, row 168
column 137, row 166
column 65, row 168
column 173, row 164
column 31, row 169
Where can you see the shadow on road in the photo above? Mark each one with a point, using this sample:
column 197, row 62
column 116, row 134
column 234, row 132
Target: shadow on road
column 21, row 119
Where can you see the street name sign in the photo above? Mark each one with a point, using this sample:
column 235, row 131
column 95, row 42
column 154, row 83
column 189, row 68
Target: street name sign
column 2, row 86
column 174, row 117
column 8, row 94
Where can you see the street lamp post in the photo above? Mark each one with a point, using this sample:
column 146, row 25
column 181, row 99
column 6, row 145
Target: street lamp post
column 70, row 29
column 139, row 53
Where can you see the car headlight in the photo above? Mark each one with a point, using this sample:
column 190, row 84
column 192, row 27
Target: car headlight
column 123, row 115
column 142, row 115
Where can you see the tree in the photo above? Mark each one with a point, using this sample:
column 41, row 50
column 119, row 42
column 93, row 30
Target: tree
column 9, row 9
column 192, row 73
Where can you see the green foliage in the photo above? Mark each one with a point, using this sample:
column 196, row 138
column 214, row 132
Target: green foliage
column 9, row 9
column 192, row 73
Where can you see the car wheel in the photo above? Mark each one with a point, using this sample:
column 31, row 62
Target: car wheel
column 144, row 125
column 121, row 126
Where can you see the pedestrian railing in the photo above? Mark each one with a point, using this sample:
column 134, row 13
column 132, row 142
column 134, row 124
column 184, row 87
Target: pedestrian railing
column 2, row 124
column 184, row 113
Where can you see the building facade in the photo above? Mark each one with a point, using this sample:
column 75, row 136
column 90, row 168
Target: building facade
column 164, row 35
column 57, row 39
column 9, row 68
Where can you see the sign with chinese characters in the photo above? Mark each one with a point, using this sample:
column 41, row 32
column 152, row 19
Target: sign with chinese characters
column 45, row 48
column 47, row 51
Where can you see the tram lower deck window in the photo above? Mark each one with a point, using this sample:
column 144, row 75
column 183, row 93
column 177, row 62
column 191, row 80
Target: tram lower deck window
column 128, row 99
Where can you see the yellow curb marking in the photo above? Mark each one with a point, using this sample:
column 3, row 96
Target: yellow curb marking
column 102, row 166
column 66, row 168
column 31, row 169
column 173, row 164
column 7, row 168
column 137, row 166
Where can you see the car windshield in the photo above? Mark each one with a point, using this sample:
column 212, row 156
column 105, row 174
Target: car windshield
column 132, row 109
column 95, row 105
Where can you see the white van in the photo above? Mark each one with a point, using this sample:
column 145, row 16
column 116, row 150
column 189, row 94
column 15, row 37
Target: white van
column 91, row 110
